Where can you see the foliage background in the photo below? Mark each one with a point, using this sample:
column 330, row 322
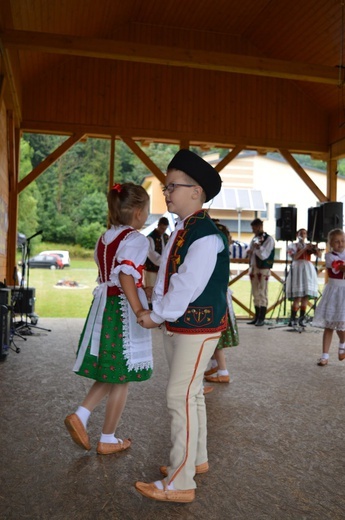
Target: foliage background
column 68, row 201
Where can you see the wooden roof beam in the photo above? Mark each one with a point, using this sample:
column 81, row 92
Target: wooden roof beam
column 48, row 161
column 150, row 165
column 172, row 56
column 303, row 174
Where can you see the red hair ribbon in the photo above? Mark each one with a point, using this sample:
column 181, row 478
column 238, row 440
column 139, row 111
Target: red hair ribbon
column 117, row 187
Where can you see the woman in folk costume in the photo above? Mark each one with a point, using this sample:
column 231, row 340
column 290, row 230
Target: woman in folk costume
column 301, row 282
column 113, row 349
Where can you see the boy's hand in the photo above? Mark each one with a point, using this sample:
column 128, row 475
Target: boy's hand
column 145, row 321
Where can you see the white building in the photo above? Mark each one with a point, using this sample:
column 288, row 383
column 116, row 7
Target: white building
column 272, row 182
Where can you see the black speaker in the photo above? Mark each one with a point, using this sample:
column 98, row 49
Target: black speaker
column 286, row 223
column 5, row 324
column 322, row 219
column 24, row 300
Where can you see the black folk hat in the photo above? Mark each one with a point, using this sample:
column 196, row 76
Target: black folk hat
column 199, row 169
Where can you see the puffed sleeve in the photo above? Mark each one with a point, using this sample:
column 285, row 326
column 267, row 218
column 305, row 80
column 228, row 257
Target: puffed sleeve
column 131, row 256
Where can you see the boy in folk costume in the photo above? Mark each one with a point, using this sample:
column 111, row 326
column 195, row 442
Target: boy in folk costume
column 189, row 298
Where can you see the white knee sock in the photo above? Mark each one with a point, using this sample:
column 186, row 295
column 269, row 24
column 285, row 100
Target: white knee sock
column 83, row 414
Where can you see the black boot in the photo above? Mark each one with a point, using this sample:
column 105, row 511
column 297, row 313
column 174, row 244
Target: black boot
column 256, row 317
column 293, row 320
column 261, row 319
column 301, row 319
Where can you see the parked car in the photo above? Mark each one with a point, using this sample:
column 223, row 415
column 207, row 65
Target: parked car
column 46, row 262
column 64, row 255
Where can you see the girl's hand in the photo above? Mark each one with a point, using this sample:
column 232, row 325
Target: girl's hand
column 145, row 321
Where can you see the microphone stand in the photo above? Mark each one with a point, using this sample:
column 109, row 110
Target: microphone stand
column 25, row 325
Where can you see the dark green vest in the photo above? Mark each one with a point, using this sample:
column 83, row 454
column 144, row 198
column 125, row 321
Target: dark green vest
column 150, row 266
column 268, row 262
column 207, row 314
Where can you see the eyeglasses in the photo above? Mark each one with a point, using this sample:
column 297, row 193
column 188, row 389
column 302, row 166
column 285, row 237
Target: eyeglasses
column 171, row 187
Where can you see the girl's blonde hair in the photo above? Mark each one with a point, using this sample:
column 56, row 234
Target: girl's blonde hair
column 333, row 233
column 123, row 200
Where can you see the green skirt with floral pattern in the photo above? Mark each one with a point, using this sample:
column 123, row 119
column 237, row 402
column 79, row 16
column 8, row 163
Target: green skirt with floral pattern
column 110, row 366
column 229, row 337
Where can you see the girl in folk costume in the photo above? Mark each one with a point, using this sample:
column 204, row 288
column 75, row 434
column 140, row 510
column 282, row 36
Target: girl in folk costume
column 330, row 313
column 217, row 371
column 113, row 349
column 301, row 282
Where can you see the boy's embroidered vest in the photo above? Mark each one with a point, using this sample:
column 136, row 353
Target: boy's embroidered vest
column 208, row 312
column 268, row 262
column 106, row 260
column 150, row 266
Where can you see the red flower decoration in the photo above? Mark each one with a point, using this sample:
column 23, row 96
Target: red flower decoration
column 336, row 264
column 117, row 187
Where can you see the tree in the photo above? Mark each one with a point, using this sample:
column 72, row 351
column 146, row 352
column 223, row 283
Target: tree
column 28, row 221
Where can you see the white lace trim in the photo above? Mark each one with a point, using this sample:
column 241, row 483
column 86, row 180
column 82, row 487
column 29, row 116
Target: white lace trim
column 137, row 342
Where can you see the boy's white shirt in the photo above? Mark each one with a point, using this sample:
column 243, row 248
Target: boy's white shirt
column 189, row 282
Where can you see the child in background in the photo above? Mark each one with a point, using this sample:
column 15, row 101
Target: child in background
column 217, row 371
column 330, row 313
column 113, row 349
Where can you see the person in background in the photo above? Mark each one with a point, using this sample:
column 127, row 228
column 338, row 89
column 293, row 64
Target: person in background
column 261, row 258
column 113, row 349
column 330, row 312
column 189, row 298
column 217, row 371
column 158, row 239
column 301, row 282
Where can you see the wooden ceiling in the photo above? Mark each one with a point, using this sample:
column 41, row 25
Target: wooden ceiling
column 180, row 48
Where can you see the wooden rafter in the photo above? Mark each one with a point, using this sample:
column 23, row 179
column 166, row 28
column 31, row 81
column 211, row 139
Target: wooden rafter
column 229, row 157
column 48, row 161
column 303, row 174
column 173, row 56
column 144, row 158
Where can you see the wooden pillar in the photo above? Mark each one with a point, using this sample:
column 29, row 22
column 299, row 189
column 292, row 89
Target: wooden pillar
column 111, row 163
column 332, row 172
column 13, row 145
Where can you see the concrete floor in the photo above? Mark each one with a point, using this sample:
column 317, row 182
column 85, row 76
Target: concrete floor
column 276, row 434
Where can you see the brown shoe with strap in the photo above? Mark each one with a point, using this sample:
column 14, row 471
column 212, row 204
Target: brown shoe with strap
column 211, row 371
column 199, row 469
column 77, row 431
column 341, row 354
column 218, row 379
column 322, row 362
column 107, row 448
column 150, row 490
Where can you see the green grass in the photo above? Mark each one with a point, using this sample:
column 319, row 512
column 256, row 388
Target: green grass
column 56, row 302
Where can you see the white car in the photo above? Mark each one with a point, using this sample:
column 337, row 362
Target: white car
column 64, row 255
